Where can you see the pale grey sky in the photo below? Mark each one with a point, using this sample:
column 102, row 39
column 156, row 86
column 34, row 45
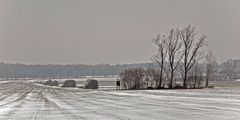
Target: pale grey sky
column 109, row 31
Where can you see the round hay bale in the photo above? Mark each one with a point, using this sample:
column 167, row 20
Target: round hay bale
column 48, row 82
column 55, row 83
column 91, row 84
column 69, row 83
column 51, row 83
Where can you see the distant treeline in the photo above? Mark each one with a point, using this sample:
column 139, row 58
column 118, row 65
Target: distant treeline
column 12, row 71
column 229, row 70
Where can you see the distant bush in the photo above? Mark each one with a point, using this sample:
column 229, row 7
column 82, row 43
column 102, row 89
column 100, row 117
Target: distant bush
column 150, row 88
column 69, row 83
column 178, row 87
column 211, row 86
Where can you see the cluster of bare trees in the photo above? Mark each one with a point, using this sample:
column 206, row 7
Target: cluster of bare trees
column 132, row 78
column 211, row 68
column 178, row 58
column 229, row 71
column 139, row 78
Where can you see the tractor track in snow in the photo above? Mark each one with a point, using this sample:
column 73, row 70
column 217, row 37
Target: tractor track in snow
column 81, row 103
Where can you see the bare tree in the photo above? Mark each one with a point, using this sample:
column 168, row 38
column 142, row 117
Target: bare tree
column 191, row 50
column 196, row 77
column 160, row 56
column 125, row 78
column 156, row 78
column 211, row 63
column 152, row 77
column 173, row 53
column 149, row 77
column 166, row 77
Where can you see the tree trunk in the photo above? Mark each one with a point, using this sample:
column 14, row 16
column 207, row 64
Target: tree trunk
column 161, row 76
column 185, row 80
column 207, row 79
column 171, row 80
column 195, row 82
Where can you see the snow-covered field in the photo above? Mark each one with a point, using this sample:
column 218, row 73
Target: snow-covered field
column 29, row 101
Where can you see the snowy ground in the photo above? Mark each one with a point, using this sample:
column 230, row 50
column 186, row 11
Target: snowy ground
column 29, row 101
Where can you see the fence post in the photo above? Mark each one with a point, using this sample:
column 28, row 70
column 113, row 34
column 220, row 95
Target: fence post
column 118, row 85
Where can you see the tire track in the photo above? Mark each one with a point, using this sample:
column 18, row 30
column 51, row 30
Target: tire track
column 87, row 104
column 22, row 96
column 51, row 104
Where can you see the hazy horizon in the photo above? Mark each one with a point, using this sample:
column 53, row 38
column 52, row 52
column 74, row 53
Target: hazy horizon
column 107, row 31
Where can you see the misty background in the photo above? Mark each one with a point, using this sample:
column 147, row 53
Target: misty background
column 108, row 31
column 75, row 38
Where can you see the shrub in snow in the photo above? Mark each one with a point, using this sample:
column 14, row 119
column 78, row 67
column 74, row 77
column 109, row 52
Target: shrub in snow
column 91, row 84
column 178, row 86
column 150, row 88
column 132, row 79
column 211, row 86
column 69, row 83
